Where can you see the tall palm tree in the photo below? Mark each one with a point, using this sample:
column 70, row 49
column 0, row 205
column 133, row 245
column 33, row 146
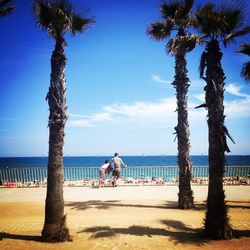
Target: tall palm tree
column 6, row 7
column 57, row 17
column 215, row 23
column 245, row 71
column 176, row 18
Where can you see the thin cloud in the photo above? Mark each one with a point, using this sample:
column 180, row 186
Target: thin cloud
column 158, row 79
column 124, row 113
column 200, row 97
column 160, row 113
column 233, row 89
column 237, row 108
column 193, row 82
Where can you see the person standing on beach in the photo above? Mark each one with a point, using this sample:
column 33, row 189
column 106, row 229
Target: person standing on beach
column 103, row 171
column 118, row 164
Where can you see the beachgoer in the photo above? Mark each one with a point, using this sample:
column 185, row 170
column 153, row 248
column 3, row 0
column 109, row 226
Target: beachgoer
column 118, row 164
column 103, row 171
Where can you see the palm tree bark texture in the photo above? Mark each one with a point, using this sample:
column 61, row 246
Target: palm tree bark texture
column 185, row 196
column 54, row 226
column 216, row 221
column 176, row 17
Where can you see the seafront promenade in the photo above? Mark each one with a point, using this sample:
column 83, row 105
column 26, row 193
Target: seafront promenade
column 125, row 217
column 136, row 175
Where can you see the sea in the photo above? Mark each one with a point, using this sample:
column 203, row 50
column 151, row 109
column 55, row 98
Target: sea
column 131, row 161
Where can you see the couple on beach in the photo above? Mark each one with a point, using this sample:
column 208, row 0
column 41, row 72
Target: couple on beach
column 114, row 166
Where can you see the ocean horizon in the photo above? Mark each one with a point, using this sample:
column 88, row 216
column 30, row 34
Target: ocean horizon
column 131, row 161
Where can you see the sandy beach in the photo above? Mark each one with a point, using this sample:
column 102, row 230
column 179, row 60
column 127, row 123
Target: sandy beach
column 140, row 217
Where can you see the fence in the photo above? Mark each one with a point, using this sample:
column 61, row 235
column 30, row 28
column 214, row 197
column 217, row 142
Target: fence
column 24, row 175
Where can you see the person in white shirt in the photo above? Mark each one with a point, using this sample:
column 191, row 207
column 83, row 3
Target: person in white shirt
column 118, row 165
column 102, row 172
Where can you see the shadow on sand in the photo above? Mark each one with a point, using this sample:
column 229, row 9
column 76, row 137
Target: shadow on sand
column 238, row 204
column 176, row 231
column 4, row 235
column 116, row 203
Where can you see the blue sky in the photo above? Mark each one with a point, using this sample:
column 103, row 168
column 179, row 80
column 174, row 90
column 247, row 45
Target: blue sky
column 118, row 86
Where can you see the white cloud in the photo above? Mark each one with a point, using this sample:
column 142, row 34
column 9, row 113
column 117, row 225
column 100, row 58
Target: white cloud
column 233, row 89
column 129, row 113
column 237, row 108
column 157, row 78
column 200, row 97
column 160, row 113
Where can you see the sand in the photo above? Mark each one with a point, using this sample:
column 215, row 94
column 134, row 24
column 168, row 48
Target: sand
column 120, row 218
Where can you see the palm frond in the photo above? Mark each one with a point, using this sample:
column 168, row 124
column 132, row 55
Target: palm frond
column 191, row 41
column 4, row 3
column 171, row 46
column 159, row 30
column 208, row 19
column 59, row 17
column 65, row 5
column 80, row 24
column 184, row 43
column 184, row 9
column 245, row 49
column 169, row 9
column 222, row 21
column 6, row 7
column 202, row 65
column 245, row 71
column 43, row 13
column 233, row 16
column 236, row 34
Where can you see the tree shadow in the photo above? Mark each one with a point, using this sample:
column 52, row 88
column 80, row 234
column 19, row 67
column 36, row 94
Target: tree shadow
column 238, row 204
column 241, row 233
column 4, row 235
column 98, row 204
column 178, row 233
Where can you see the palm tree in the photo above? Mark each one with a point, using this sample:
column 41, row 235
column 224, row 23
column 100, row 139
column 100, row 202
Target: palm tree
column 176, row 18
column 245, row 49
column 215, row 24
column 6, row 7
column 245, row 72
column 57, row 17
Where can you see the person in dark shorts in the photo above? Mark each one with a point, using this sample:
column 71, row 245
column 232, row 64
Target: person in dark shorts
column 118, row 165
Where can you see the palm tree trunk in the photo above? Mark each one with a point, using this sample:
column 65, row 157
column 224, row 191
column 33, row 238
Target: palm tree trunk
column 185, row 196
column 216, row 221
column 55, row 229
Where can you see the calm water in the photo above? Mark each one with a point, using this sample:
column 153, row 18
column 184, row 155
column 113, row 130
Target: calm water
column 95, row 161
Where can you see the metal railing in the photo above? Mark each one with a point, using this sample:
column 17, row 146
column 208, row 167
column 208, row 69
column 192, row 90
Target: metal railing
column 24, row 175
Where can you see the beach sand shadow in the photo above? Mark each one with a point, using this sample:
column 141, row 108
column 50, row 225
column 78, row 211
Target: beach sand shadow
column 238, row 204
column 179, row 234
column 4, row 235
column 117, row 203
column 242, row 233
